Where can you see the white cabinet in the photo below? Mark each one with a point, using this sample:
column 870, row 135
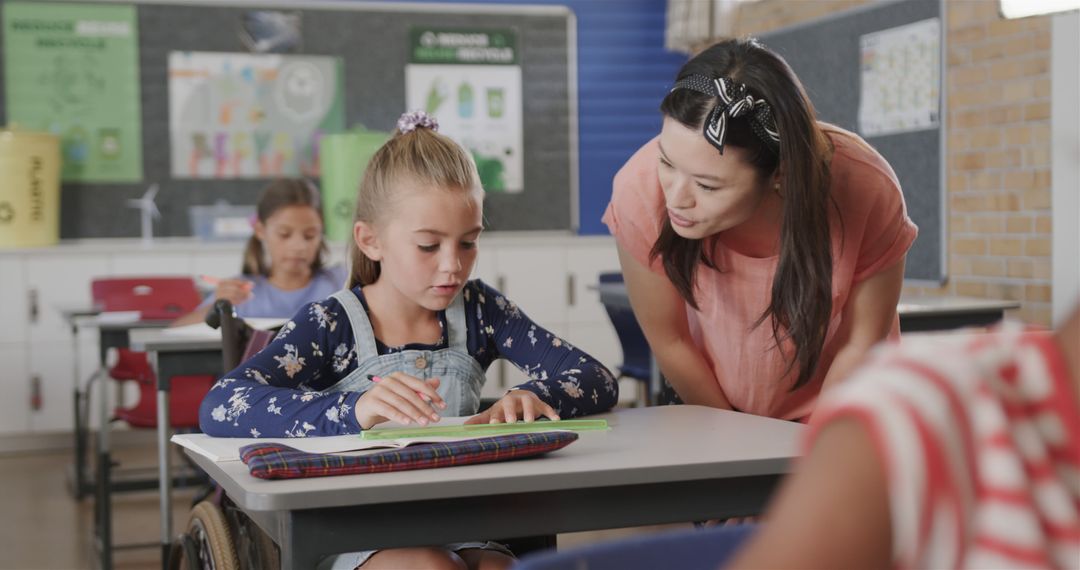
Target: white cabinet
column 51, row 371
column 14, row 311
column 584, row 264
column 534, row 277
column 54, row 282
column 16, row 382
column 553, row 281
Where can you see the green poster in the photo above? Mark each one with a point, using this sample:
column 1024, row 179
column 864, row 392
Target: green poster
column 73, row 70
column 470, row 79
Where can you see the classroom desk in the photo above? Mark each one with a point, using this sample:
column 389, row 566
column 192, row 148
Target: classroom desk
column 944, row 313
column 111, row 334
column 173, row 355
column 916, row 314
column 655, row 465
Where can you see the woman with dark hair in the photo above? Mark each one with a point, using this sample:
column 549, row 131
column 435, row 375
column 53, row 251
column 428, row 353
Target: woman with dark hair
column 763, row 250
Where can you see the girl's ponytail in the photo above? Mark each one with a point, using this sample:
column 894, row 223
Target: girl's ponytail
column 254, row 258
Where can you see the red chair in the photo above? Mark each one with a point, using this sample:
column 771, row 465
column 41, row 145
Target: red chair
column 156, row 299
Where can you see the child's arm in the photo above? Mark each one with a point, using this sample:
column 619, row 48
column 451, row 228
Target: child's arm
column 237, row 291
column 561, row 376
column 833, row 512
column 275, row 393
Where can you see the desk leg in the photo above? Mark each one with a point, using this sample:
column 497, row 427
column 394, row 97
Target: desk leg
column 299, row 546
column 164, row 468
column 102, row 498
column 79, row 485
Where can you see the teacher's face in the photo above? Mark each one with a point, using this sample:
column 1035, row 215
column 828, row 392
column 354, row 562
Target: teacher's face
column 706, row 192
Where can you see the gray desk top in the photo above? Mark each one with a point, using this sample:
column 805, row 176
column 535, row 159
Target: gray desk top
column 951, row 305
column 645, row 445
column 161, row 340
column 909, row 306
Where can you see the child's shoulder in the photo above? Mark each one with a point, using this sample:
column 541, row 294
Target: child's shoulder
column 326, row 313
column 478, row 292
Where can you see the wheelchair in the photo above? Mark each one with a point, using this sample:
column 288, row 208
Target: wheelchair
column 218, row 535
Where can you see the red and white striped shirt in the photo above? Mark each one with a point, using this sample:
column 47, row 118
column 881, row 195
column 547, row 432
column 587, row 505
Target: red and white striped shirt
column 979, row 436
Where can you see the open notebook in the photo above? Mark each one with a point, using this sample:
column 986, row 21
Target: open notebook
column 447, row 430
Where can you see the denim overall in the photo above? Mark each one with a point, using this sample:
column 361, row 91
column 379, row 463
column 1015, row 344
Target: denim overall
column 460, row 380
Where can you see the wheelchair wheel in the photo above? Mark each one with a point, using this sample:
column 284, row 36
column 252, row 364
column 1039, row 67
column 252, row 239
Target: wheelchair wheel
column 209, row 533
column 254, row 548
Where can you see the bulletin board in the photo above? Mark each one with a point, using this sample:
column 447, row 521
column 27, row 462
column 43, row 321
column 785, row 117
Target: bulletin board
column 838, row 60
column 370, row 48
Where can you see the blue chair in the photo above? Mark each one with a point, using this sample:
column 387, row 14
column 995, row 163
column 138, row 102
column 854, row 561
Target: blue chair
column 637, row 357
column 705, row 549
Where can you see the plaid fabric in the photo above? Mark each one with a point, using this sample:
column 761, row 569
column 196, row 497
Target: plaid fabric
column 276, row 461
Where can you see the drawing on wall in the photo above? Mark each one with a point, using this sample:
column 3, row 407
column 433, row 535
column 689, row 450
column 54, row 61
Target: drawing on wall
column 73, row 70
column 901, row 79
column 471, row 82
column 251, row 115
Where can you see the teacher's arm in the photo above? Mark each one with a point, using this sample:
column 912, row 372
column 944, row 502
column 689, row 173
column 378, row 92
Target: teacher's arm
column 872, row 311
column 661, row 312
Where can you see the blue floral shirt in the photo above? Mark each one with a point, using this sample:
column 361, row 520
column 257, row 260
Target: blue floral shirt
column 279, row 391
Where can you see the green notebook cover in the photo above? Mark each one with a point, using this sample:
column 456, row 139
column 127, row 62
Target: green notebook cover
column 476, row 430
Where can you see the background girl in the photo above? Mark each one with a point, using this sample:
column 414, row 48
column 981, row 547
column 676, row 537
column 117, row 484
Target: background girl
column 283, row 262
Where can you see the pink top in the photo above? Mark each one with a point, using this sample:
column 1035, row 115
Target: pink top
column 979, row 438
column 874, row 234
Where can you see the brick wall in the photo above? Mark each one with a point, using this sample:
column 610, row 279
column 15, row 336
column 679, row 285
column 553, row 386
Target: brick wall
column 998, row 131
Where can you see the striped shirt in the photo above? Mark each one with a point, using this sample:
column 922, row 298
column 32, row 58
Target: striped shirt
column 979, row 437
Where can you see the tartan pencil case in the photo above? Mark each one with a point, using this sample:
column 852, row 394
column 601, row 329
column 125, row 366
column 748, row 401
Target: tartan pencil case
column 277, row 461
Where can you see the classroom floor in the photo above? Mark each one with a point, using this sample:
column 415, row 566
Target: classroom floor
column 43, row 527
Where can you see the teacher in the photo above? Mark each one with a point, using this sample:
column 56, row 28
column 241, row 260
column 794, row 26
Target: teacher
column 763, row 250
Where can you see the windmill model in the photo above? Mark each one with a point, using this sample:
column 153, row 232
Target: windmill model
column 149, row 213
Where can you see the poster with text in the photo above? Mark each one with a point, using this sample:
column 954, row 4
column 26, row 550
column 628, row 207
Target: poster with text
column 235, row 115
column 901, row 79
column 471, row 82
column 73, row 70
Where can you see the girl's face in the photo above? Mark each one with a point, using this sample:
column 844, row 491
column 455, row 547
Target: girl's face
column 291, row 236
column 706, row 192
column 427, row 243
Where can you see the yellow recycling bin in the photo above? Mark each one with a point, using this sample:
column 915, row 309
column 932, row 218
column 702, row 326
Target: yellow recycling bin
column 29, row 189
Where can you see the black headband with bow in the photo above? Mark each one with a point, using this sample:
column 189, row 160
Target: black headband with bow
column 735, row 101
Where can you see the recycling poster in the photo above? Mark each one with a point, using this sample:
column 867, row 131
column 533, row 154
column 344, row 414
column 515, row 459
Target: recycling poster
column 470, row 80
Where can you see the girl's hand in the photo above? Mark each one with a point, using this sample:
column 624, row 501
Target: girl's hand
column 402, row 398
column 515, row 404
column 236, row 291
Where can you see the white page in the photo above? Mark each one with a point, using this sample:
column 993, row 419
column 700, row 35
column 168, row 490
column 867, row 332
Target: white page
column 228, row 448
column 118, row 317
column 203, row 330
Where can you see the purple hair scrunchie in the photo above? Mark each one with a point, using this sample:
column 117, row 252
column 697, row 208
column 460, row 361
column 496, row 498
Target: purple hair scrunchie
column 409, row 122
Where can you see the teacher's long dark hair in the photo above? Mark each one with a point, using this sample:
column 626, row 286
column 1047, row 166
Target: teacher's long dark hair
column 801, row 300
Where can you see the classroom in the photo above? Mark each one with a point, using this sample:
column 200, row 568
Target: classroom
column 539, row 284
